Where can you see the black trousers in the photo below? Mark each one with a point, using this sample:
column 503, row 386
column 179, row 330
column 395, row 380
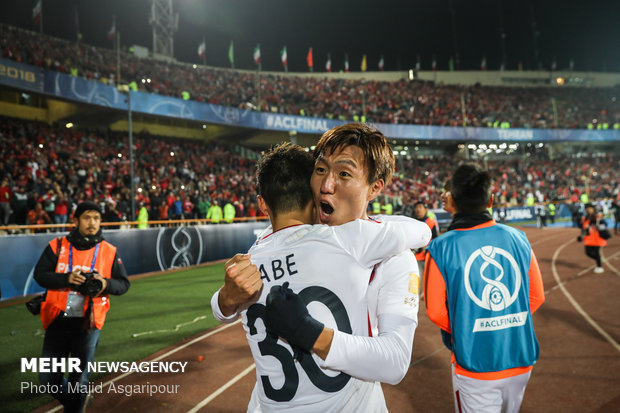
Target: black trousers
column 595, row 254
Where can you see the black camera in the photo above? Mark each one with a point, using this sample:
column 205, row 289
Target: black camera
column 91, row 286
column 34, row 305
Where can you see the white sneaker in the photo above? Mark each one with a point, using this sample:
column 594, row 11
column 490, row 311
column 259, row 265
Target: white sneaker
column 599, row 270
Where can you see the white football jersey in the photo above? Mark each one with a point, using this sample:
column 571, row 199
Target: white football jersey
column 329, row 267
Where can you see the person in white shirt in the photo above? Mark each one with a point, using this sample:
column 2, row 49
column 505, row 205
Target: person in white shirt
column 329, row 267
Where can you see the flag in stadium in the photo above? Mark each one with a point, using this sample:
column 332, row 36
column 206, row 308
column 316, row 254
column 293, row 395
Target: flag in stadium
column 284, row 58
column 381, row 63
column 36, row 12
column 418, row 64
column 571, row 64
column 554, row 65
column 346, row 62
column 257, row 54
column 483, row 63
column 451, row 65
column 112, row 31
column 78, row 34
column 309, row 60
column 328, row 64
column 363, row 65
column 202, row 50
column 231, row 54
column 434, row 64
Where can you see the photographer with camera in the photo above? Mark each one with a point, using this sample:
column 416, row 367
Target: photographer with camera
column 79, row 271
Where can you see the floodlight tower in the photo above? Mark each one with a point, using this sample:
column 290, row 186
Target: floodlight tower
column 164, row 23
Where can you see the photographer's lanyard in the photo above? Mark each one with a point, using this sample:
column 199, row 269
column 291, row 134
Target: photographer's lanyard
column 92, row 264
column 75, row 301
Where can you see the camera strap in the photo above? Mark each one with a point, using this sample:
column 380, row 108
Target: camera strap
column 92, row 264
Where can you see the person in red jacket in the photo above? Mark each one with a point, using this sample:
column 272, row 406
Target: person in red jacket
column 6, row 196
column 591, row 236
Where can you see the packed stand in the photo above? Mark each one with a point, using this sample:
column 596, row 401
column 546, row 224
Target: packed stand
column 563, row 179
column 403, row 102
column 45, row 171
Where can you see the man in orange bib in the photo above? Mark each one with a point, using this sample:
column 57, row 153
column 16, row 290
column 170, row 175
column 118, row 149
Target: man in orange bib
column 79, row 271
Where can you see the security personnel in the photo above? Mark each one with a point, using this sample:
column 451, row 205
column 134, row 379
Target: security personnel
column 229, row 213
column 376, row 207
column 214, row 213
column 388, row 208
column 73, row 319
column 551, row 211
column 143, row 217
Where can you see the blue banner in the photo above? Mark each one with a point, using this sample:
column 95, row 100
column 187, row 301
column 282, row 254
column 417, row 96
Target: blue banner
column 21, row 76
column 147, row 250
column 93, row 92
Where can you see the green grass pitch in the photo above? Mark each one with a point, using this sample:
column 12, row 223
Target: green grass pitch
column 160, row 302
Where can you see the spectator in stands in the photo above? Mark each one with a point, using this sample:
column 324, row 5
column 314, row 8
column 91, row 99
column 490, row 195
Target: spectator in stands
column 38, row 216
column 61, row 211
column 111, row 215
column 615, row 209
column 6, row 196
column 188, row 208
column 163, row 210
column 19, row 205
column 203, row 207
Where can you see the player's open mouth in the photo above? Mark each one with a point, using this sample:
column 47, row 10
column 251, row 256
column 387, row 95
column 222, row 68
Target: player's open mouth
column 326, row 208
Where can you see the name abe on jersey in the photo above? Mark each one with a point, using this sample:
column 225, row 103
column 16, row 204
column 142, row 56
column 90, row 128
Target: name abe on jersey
column 279, row 268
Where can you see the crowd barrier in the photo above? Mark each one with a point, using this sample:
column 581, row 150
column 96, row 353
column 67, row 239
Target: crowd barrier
column 147, row 250
column 514, row 215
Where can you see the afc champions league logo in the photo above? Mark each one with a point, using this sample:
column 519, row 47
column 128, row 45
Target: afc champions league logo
column 491, row 284
column 178, row 247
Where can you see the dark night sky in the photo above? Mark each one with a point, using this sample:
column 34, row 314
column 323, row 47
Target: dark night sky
column 587, row 32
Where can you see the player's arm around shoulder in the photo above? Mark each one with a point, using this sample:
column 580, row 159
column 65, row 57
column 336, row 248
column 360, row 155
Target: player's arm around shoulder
column 371, row 242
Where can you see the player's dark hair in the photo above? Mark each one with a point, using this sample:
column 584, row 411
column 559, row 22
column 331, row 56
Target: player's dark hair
column 420, row 203
column 283, row 178
column 471, row 188
column 378, row 154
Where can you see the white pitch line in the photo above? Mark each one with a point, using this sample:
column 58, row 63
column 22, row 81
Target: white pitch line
column 574, row 302
column 544, row 239
column 424, row 358
column 189, row 343
column 606, row 261
column 222, row 389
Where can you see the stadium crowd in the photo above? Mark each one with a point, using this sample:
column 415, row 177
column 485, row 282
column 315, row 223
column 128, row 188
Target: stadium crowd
column 403, row 101
column 45, row 171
